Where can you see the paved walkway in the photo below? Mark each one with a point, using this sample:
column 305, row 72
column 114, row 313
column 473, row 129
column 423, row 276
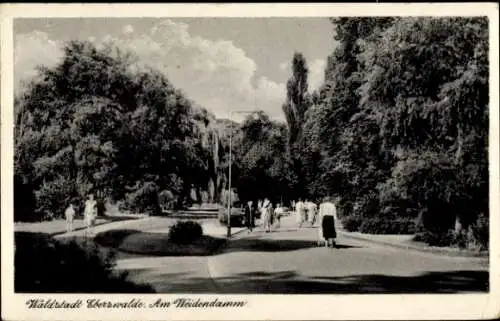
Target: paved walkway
column 105, row 227
column 152, row 224
column 288, row 261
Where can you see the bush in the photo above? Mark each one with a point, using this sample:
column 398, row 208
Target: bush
column 429, row 183
column 460, row 239
column 44, row 265
column 367, row 206
column 352, row 223
column 379, row 225
column 185, row 232
column 478, row 234
column 382, row 225
column 476, row 237
column 143, row 200
column 53, row 197
column 345, row 208
column 167, row 200
column 436, row 239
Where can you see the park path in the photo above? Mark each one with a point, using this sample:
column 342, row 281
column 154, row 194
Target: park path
column 288, row 261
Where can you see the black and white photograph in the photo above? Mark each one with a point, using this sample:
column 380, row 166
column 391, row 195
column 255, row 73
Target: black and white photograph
column 221, row 155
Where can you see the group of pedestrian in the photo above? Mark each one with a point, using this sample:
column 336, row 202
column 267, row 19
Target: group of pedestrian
column 89, row 214
column 306, row 212
column 326, row 215
column 270, row 215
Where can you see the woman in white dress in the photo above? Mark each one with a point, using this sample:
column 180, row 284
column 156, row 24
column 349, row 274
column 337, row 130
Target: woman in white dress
column 311, row 212
column 266, row 214
column 90, row 212
column 300, row 211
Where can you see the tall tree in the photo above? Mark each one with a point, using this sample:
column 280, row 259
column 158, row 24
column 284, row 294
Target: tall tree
column 297, row 100
column 295, row 107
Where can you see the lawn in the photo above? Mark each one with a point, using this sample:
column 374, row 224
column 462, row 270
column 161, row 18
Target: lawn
column 158, row 244
column 54, row 227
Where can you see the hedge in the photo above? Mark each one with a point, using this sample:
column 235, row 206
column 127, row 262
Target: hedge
column 379, row 225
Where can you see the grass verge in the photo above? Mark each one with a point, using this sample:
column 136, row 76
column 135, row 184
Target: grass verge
column 158, row 244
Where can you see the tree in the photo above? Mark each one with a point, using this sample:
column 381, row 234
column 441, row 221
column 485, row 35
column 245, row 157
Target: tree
column 434, row 111
column 295, row 107
column 95, row 123
column 400, row 125
column 297, row 102
column 263, row 171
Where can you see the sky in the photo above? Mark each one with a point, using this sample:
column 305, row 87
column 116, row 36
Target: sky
column 223, row 64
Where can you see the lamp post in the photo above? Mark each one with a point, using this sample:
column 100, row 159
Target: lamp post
column 230, row 168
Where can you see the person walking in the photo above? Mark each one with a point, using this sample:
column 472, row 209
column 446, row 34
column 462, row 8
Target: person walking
column 69, row 214
column 90, row 212
column 311, row 212
column 249, row 216
column 327, row 218
column 278, row 213
column 300, row 211
column 266, row 214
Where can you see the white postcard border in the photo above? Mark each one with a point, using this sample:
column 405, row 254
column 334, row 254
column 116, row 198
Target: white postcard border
column 290, row 307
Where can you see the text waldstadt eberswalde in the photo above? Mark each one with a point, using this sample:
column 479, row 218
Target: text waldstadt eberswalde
column 135, row 303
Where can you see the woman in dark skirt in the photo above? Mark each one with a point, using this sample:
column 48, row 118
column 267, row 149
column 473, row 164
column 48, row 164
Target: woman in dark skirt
column 327, row 215
column 328, row 226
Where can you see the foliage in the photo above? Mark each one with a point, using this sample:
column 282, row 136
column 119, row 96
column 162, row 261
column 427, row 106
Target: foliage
column 398, row 130
column 167, row 199
column 56, row 267
column 379, row 225
column 297, row 103
column 99, row 123
column 383, row 225
column 475, row 237
column 264, row 167
column 436, row 239
column 352, row 223
column 144, row 200
column 185, row 232
column 478, row 234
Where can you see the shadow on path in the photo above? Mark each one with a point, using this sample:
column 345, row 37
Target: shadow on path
column 274, row 245
column 288, row 282
column 113, row 238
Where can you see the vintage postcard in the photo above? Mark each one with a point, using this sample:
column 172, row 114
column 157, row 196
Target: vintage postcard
column 250, row 161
